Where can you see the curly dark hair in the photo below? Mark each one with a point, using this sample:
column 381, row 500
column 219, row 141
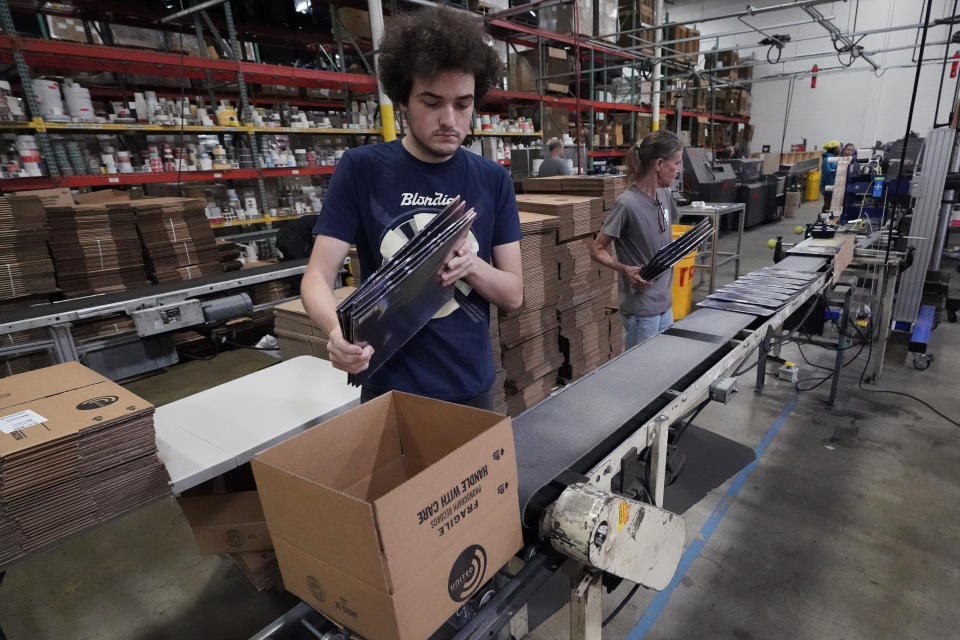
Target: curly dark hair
column 431, row 41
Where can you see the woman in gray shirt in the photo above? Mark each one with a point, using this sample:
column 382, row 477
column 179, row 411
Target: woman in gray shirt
column 638, row 225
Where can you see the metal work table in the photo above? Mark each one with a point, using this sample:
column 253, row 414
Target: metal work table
column 718, row 258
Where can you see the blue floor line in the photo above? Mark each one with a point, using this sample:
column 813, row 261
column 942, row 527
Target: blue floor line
column 659, row 602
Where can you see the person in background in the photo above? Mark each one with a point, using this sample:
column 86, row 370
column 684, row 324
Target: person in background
column 436, row 67
column 639, row 225
column 554, row 165
column 828, row 171
column 850, row 151
column 295, row 238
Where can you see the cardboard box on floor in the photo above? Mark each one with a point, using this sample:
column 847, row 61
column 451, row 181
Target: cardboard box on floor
column 227, row 522
column 389, row 517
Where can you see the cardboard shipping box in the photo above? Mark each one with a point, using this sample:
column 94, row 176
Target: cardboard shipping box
column 389, row 517
column 227, row 522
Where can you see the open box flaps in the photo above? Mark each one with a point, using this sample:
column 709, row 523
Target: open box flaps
column 400, row 493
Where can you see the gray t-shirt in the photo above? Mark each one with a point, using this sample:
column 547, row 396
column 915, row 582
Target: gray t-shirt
column 640, row 227
column 554, row 166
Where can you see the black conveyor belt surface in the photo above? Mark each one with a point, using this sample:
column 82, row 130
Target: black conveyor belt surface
column 553, row 435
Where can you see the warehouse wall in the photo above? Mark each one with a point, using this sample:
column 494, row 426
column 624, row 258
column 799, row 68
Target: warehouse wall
column 851, row 106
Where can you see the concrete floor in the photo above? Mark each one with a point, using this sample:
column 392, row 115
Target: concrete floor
column 846, row 527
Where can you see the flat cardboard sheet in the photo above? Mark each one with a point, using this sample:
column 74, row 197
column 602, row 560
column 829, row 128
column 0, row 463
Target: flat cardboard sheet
column 203, row 435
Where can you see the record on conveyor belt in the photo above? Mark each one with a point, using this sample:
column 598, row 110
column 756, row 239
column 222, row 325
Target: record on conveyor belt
column 675, row 251
column 739, row 307
column 394, row 303
column 784, row 274
column 789, row 285
column 745, row 289
column 746, row 299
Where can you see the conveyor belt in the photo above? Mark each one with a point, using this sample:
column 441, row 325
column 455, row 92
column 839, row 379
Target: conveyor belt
column 555, row 434
column 92, row 306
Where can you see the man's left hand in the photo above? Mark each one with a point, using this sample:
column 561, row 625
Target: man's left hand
column 460, row 265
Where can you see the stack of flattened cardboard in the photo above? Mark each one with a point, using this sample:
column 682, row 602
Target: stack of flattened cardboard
column 75, row 449
column 95, row 249
column 99, row 328
column 499, row 394
column 229, row 255
column 584, row 336
column 273, row 290
column 26, row 271
column 26, row 274
column 297, row 334
column 607, row 187
column 528, row 337
column 578, row 216
column 176, row 236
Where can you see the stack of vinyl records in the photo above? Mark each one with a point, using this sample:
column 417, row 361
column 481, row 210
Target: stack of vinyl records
column 760, row 293
column 296, row 333
column 578, row 216
column 95, row 249
column 584, row 336
column 75, row 449
column 177, row 238
column 25, row 267
column 528, row 337
column 398, row 300
column 229, row 255
column 669, row 255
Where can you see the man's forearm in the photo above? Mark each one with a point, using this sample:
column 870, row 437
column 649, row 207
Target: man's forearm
column 501, row 288
column 319, row 302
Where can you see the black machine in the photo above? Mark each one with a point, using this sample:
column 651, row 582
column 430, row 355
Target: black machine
column 706, row 180
column 757, row 192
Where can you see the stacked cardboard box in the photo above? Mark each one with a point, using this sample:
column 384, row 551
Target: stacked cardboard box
column 75, row 449
column 584, row 336
column 26, row 273
column 229, row 255
column 297, row 334
column 577, row 216
column 261, row 569
column 176, row 236
column 498, row 391
column 95, row 249
column 524, row 70
column 607, row 187
column 99, row 328
column 528, row 337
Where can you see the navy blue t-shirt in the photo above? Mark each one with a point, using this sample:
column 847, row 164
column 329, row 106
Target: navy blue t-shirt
column 379, row 197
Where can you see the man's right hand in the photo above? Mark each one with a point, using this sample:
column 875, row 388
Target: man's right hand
column 346, row 356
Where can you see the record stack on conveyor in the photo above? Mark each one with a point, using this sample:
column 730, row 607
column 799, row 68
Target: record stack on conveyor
column 229, row 255
column 95, row 249
column 91, row 472
column 528, row 337
column 760, row 293
column 578, row 216
column 177, row 239
column 296, row 333
column 398, row 299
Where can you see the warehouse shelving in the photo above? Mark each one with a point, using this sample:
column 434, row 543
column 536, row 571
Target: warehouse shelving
column 106, row 127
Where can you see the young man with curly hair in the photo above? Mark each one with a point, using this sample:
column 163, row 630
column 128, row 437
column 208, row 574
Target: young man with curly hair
column 436, row 67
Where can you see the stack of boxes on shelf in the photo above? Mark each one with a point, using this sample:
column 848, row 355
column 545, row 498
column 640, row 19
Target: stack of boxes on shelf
column 177, row 240
column 529, row 337
column 729, row 66
column 95, row 249
column 26, row 273
column 75, row 450
column 691, row 47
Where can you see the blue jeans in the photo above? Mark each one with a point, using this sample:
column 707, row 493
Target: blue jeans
column 639, row 329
